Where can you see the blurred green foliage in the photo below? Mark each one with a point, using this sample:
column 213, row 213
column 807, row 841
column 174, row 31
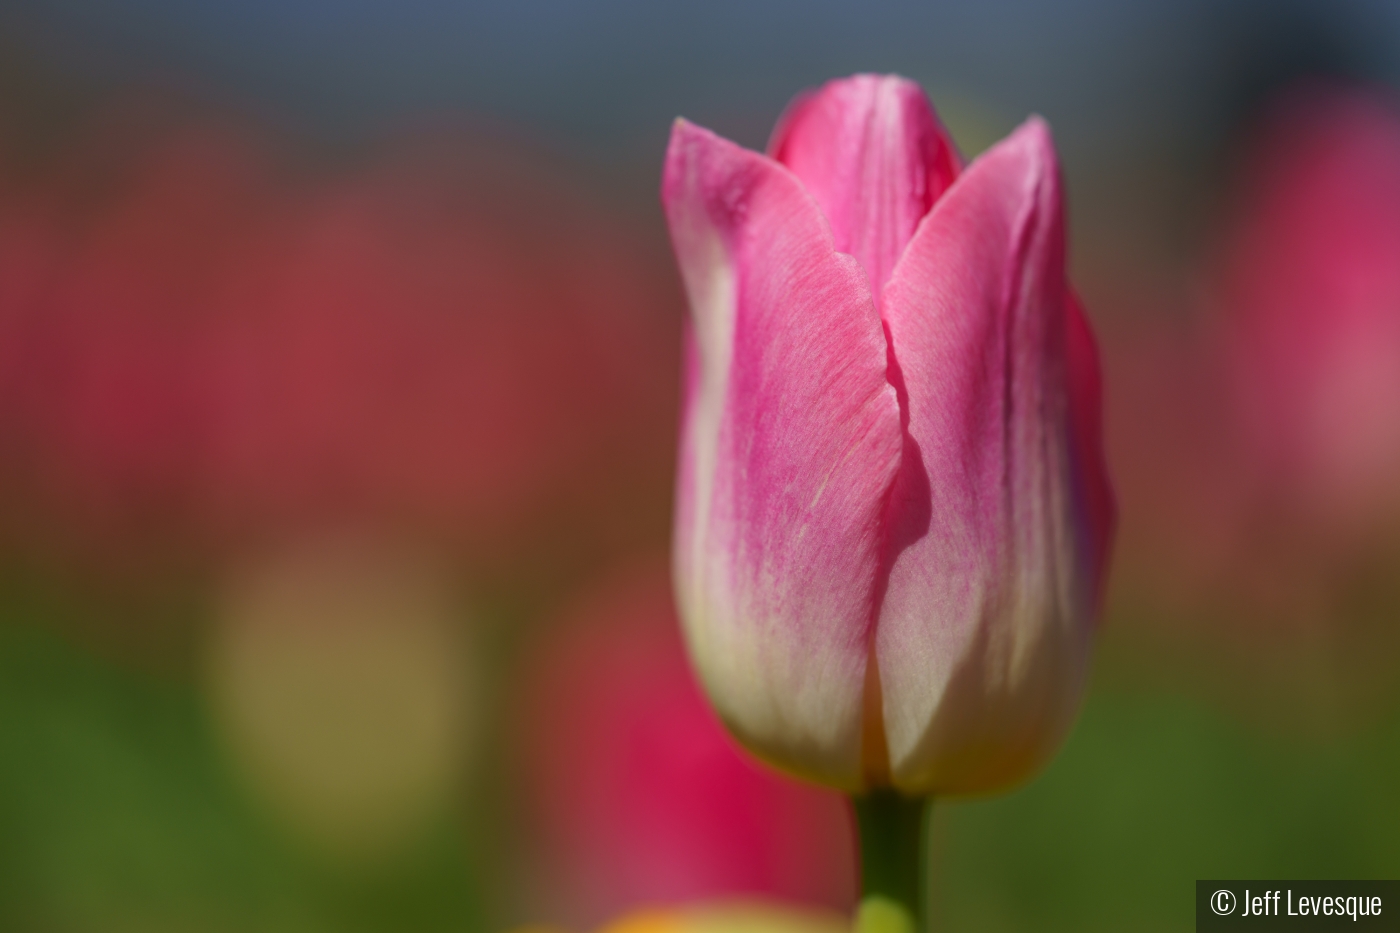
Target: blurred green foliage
column 118, row 812
column 1154, row 789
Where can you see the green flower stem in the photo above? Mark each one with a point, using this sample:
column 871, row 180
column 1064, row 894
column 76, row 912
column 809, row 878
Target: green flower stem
column 893, row 861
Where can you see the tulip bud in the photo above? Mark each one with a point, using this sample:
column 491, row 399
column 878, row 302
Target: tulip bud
column 892, row 511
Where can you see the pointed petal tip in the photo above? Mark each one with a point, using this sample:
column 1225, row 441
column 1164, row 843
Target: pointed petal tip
column 691, row 153
column 1023, row 162
column 872, row 152
column 1035, row 124
column 870, row 81
column 681, row 128
column 1032, row 141
column 860, row 92
column 683, row 133
column 892, row 91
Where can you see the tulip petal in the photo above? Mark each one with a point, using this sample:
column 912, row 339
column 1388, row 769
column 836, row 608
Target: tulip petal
column 790, row 439
column 1000, row 516
column 872, row 152
column 1094, row 492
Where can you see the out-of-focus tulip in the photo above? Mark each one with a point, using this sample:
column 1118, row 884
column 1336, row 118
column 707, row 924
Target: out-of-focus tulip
column 635, row 792
column 202, row 346
column 117, row 264
column 1311, row 287
column 432, row 351
column 892, row 510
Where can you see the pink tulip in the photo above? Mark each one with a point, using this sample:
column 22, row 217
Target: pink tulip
column 200, row 350
column 1312, row 286
column 893, row 513
column 637, row 795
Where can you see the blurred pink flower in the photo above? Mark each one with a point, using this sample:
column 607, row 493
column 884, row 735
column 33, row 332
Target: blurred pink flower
column 429, row 347
column 1311, row 292
column 636, row 792
column 444, row 342
column 121, row 262
column 1257, row 441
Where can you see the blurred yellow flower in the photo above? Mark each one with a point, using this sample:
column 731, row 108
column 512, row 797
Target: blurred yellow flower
column 730, row 917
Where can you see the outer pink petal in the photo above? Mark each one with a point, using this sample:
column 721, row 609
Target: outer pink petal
column 1097, row 508
column 789, row 441
column 871, row 151
column 1001, row 515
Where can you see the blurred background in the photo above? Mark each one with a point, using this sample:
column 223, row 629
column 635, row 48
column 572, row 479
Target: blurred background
column 338, row 381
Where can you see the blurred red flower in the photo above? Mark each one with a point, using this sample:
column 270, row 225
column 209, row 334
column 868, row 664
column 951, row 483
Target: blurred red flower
column 199, row 343
column 636, row 792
